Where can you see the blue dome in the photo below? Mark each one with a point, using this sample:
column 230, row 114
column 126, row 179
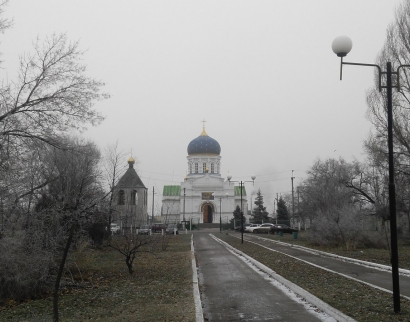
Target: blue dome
column 204, row 144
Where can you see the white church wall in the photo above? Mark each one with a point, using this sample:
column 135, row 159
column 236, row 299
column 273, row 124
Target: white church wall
column 205, row 152
column 171, row 219
column 170, row 207
column 200, row 160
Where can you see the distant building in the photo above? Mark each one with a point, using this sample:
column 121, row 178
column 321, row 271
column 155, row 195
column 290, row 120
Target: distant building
column 130, row 199
column 204, row 195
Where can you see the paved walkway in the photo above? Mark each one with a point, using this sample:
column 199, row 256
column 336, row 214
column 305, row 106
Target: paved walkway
column 373, row 276
column 233, row 291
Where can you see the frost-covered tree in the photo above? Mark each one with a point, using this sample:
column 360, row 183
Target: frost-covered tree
column 259, row 212
column 282, row 211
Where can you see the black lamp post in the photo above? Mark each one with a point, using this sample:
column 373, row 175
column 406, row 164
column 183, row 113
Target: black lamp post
column 241, row 184
column 220, row 212
column 341, row 47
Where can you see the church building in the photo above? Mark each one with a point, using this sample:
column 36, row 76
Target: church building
column 204, row 196
column 130, row 199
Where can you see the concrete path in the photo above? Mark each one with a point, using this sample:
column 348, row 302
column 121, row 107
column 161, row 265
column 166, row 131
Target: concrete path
column 233, row 291
column 377, row 277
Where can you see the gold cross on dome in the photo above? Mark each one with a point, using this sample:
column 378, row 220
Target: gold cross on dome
column 203, row 121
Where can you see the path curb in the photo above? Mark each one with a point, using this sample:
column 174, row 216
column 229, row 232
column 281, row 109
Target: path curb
column 199, row 315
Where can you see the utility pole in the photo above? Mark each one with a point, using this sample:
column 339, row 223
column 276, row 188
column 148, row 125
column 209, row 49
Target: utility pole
column 299, row 212
column 293, row 200
column 274, row 209
column 2, row 216
column 220, row 214
column 184, row 208
column 241, row 185
column 298, row 191
column 152, row 217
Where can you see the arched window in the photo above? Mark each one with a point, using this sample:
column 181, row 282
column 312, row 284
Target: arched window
column 212, row 168
column 134, row 197
column 196, row 167
column 190, row 168
column 121, row 199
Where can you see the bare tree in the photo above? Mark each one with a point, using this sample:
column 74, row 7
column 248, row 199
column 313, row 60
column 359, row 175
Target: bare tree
column 113, row 170
column 61, row 211
column 51, row 95
column 129, row 245
column 4, row 22
column 322, row 189
column 396, row 50
column 75, row 194
column 52, row 179
column 334, row 206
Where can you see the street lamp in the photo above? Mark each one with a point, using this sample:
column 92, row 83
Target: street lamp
column 220, row 211
column 184, row 211
column 341, row 47
column 241, row 184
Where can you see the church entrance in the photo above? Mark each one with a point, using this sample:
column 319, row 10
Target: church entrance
column 207, row 213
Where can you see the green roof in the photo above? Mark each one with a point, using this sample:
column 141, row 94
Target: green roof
column 238, row 191
column 172, row 191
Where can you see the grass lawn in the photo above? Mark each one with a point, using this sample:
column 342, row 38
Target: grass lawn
column 159, row 290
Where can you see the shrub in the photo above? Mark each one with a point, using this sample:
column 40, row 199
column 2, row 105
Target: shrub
column 24, row 273
column 345, row 229
column 338, row 228
column 98, row 233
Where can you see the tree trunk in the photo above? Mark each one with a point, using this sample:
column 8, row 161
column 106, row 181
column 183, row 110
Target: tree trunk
column 128, row 261
column 60, row 273
column 408, row 221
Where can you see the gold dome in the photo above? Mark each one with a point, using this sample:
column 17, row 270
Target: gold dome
column 131, row 160
column 203, row 132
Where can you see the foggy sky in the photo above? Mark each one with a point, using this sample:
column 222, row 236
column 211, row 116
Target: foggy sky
column 261, row 73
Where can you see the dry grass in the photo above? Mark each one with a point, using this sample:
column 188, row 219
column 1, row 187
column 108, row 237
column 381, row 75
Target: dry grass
column 361, row 302
column 159, row 290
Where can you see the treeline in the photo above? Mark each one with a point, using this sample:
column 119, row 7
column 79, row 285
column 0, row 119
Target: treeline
column 53, row 187
column 346, row 202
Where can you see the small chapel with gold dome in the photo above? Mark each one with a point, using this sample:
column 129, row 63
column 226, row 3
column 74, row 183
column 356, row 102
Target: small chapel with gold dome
column 204, row 196
column 130, row 199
